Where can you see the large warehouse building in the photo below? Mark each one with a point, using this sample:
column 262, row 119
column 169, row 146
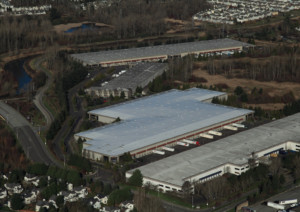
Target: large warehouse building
column 157, row 53
column 155, row 122
column 227, row 155
column 128, row 80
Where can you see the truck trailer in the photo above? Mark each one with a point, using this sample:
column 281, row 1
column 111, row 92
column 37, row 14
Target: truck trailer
column 275, row 205
column 288, row 202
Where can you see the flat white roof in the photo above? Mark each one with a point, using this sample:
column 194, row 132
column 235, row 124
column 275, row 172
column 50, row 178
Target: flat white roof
column 234, row 149
column 94, row 58
column 155, row 118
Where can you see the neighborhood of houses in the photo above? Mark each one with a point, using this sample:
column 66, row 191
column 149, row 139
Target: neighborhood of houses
column 7, row 7
column 29, row 192
column 241, row 11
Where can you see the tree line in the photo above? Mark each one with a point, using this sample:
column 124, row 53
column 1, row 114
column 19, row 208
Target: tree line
column 67, row 74
column 16, row 33
column 264, row 181
column 280, row 64
column 129, row 19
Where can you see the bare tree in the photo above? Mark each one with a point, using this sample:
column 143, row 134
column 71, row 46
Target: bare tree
column 275, row 166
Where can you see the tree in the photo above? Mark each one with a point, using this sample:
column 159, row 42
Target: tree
column 186, row 188
column 276, row 166
column 49, row 191
column 16, row 176
column 74, row 177
column 38, row 169
column 136, row 179
column 118, row 196
column 244, row 97
column 122, row 96
column 126, row 157
column 17, row 202
column 82, row 163
column 107, row 189
column 146, row 204
column 60, row 200
column 43, row 182
column 238, row 90
column 138, row 90
column 54, row 14
column 97, row 187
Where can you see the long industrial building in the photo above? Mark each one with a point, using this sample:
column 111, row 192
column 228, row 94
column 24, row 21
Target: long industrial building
column 227, row 155
column 127, row 81
column 157, row 121
column 157, row 53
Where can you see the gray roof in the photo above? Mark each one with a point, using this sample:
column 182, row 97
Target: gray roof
column 155, row 118
column 234, row 149
column 139, row 75
column 93, row 58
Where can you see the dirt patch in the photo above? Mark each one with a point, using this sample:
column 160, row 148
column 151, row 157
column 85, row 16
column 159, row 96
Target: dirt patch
column 270, row 106
column 175, row 25
column 272, row 88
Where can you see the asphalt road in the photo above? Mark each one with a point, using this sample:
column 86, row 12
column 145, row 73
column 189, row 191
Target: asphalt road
column 32, row 144
column 290, row 194
column 38, row 99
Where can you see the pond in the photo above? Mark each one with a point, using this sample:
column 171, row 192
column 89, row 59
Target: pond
column 16, row 67
column 83, row 27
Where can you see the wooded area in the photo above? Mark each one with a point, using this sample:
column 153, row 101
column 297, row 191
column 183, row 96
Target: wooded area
column 281, row 63
column 129, row 19
column 16, row 33
column 11, row 154
column 264, row 181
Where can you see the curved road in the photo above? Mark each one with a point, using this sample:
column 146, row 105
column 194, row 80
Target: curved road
column 33, row 146
column 38, row 99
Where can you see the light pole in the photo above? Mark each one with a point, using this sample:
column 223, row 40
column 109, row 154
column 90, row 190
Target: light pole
column 29, row 147
column 192, row 201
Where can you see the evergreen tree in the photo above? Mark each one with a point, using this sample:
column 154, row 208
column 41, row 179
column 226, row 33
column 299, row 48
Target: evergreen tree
column 17, row 202
column 136, row 179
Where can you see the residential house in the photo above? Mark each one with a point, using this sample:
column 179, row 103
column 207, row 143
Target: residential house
column 128, row 205
column 29, row 177
column 81, row 191
column 3, row 193
column 29, row 197
column 52, row 201
column 13, row 188
column 69, row 196
column 110, row 209
column 41, row 204
column 103, row 199
column 95, row 203
column 3, row 176
column 37, row 191
column 70, row 186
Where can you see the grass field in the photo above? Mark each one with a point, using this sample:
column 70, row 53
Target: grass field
column 271, row 87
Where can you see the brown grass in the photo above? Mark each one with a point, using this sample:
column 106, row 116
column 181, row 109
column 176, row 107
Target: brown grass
column 269, row 106
column 272, row 88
